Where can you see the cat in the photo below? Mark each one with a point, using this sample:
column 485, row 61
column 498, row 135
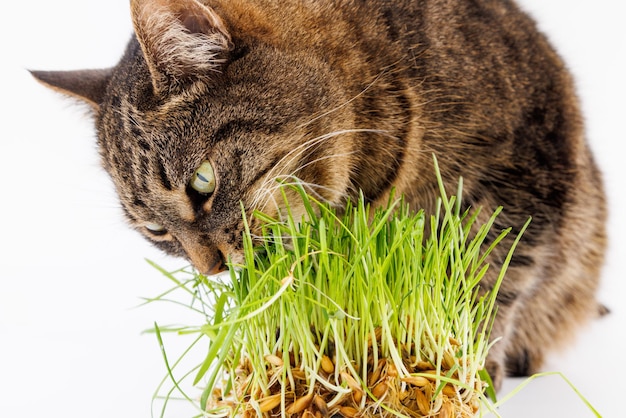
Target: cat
column 214, row 101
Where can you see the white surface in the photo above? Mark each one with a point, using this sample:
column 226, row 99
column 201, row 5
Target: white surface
column 70, row 272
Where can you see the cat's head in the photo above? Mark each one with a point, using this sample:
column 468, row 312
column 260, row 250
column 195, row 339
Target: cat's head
column 203, row 114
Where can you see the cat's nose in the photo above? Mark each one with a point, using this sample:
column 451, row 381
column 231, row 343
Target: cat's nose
column 208, row 260
column 214, row 266
column 209, row 263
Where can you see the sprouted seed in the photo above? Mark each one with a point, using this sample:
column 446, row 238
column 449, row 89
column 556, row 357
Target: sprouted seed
column 357, row 313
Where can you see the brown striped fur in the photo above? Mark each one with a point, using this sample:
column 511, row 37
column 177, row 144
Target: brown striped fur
column 353, row 96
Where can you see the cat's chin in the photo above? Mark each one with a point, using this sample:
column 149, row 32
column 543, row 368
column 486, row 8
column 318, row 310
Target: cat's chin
column 224, row 273
column 216, row 271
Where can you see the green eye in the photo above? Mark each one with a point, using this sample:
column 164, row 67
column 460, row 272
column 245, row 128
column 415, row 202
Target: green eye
column 203, row 180
column 156, row 229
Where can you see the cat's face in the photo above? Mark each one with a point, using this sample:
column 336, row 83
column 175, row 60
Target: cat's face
column 195, row 124
column 183, row 166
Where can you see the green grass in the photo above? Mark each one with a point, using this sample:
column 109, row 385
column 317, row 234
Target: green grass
column 396, row 311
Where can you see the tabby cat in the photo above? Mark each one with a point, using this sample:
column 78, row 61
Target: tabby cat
column 214, row 100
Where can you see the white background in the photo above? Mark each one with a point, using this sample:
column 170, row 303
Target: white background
column 71, row 342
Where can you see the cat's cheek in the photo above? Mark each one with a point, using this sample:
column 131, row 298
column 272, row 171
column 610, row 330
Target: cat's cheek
column 170, row 247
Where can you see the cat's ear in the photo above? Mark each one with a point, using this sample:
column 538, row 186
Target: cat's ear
column 182, row 40
column 86, row 85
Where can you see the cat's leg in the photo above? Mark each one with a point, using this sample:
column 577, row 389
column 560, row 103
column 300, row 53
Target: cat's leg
column 496, row 359
column 508, row 305
column 562, row 297
column 548, row 319
column 556, row 271
column 504, row 331
column 519, row 280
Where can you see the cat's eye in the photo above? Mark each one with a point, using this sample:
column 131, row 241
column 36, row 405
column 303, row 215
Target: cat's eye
column 203, row 180
column 155, row 228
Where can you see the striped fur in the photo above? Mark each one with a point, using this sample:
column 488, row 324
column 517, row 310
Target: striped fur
column 351, row 96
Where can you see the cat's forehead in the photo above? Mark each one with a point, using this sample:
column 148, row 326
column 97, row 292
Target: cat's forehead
column 257, row 91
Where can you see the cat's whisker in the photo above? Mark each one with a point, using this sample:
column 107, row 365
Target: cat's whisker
column 299, row 151
column 269, row 186
column 271, row 197
column 312, row 188
column 323, row 158
column 286, row 160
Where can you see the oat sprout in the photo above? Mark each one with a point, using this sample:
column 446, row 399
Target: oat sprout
column 357, row 313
